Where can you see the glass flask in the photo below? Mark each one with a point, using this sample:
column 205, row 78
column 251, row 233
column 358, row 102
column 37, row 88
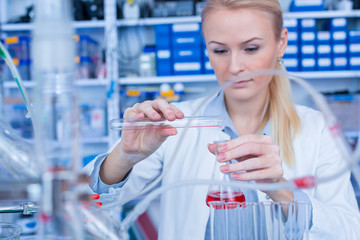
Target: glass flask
column 228, row 195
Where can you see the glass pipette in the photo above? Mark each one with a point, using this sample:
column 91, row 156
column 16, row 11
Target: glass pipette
column 146, row 123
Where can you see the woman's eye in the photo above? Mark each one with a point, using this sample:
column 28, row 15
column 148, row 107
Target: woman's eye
column 220, row 51
column 251, row 49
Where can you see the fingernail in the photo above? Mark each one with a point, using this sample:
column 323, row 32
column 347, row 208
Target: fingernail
column 171, row 115
column 224, row 168
column 221, row 157
column 223, row 147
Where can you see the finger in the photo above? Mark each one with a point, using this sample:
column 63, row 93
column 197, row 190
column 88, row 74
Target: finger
column 257, row 149
column 168, row 110
column 149, row 109
column 249, row 165
column 244, row 139
column 165, row 132
column 270, row 174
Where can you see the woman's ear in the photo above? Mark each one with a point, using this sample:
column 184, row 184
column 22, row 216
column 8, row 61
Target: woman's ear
column 283, row 42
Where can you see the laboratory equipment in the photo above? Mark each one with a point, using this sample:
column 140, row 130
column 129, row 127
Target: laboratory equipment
column 9, row 231
column 260, row 220
column 191, row 122
column 230, row 195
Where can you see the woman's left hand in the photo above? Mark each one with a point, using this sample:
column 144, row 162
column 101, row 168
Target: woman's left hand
column 258, row 159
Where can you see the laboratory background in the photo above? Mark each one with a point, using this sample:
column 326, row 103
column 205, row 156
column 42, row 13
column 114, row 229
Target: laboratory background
column 129, row 51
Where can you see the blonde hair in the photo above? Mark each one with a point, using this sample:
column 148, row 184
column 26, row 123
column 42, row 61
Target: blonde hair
column 280, row 109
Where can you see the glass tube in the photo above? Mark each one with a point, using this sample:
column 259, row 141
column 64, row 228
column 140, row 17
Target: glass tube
column 195, row 122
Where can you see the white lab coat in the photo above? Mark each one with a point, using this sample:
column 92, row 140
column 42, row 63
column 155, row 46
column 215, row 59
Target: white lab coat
column 184, row 214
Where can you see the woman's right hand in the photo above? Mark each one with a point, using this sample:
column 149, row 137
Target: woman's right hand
column 136, row 145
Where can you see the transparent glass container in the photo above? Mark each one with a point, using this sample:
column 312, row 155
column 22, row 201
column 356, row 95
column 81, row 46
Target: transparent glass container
column 226, row 194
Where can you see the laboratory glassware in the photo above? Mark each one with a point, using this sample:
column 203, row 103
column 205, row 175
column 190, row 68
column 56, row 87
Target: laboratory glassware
column 10, row 231
column 191, row 122
column 229, row 195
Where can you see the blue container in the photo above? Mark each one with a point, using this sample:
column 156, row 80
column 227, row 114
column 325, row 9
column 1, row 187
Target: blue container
column 324, row 63
column 323, row 37
column 163, row 36
column 308, row 51
column 340, row 63
column 308, row 25
column 18, row 46
column 306, row 6
column 339, row 50
column 164, row 62
column 339, row 24
column 291, row 64
column 187, row 68
column 354, row 63
column 187, row 54
column 291, row 51
column 323, row 50
column 308, row 64
column 293, row 38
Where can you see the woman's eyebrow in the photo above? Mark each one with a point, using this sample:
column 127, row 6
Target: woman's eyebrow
column 245, row 42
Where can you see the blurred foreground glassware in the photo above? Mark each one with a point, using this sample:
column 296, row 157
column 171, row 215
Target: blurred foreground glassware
column 259, row 220
column 227, row 194
column 10, row 231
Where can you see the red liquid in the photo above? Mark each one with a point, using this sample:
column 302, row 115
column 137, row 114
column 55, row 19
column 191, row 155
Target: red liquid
column 227, row 197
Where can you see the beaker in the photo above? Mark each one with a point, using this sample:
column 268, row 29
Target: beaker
column 10, row 231
column 226, row 194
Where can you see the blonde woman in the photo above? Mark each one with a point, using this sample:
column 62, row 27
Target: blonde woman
column 271, row 139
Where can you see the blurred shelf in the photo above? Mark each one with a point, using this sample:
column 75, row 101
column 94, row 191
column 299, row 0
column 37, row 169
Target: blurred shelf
column 168, row 79
column 212, row 78
column 94, row 140
column 323, row 14
column 15, row 27
column 192, row 19
column 79, row 82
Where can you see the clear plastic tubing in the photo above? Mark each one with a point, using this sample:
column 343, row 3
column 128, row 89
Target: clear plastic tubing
column 191, row 122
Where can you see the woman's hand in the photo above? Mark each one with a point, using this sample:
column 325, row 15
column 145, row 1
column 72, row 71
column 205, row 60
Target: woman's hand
column 136, row 145
column 258, row 159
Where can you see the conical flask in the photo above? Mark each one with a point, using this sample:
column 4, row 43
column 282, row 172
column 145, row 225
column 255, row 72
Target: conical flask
column 223, row 193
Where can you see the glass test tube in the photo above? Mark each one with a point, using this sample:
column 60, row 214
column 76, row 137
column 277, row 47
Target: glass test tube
column 192, row 122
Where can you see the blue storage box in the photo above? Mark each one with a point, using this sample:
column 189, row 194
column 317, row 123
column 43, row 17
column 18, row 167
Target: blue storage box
column 163, row 36
column 354, row 63
column 354, row 49
column 324, row 64
column 186, row 55
column 308, row 24
column 308, row 51
column 293, row 38
column 354, row 36
column 308, row 37
column 186, row 35
column 340, row 63
column 186, row 40
column 291, row 51
column 164, row 68
column 18, row 46
column 291, row 24
column 291, row 64
column 340, row 50
column 308, row 64
column 163, row 62
column 339, row 24
column 187, row 68
column 323, row 50
column 306, row 5
column 339, row 37
column 323, row 37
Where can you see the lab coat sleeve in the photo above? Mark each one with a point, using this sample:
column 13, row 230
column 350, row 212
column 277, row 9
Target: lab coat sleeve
column 142, row 174
column 96, row 185
column 335, row 212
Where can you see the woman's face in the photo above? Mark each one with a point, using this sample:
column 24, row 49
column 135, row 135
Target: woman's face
column 242, row 41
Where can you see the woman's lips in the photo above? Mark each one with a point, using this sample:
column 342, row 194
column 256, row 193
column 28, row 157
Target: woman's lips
column 241, row 83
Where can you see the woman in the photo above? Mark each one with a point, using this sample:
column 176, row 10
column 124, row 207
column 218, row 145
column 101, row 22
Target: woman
column 241, row 36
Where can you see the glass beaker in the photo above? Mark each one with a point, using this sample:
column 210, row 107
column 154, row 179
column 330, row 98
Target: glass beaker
column 226, row 194
column 10, row 231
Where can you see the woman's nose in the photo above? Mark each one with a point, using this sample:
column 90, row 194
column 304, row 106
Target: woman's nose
column 236, row 63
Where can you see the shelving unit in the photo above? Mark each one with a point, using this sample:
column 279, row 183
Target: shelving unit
column 110, row 22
